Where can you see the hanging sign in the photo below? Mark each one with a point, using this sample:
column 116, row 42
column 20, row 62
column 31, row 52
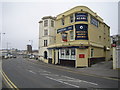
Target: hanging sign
column 65, row 29
column 81, row 17
column 81, row 31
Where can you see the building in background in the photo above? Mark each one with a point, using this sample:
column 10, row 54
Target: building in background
column 82, row 38
column 29, row 49
column 46, row 37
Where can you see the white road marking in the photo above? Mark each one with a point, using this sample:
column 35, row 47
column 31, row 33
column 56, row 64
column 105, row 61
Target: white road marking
column 70, row 80
column 78, row 80
column 49, row 74
column 67, row 77
column 31, row 71
column 90, row 82
column 63, row 82
column 44, row 71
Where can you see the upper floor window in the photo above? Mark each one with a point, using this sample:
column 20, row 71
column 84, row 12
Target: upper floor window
column 45, row 32
column 71, row 18
column 52, row 23
column 45, row 23
column 71, row 35
column 92, row 52
column 94, row 21
column 45, row 43
column 63, row 21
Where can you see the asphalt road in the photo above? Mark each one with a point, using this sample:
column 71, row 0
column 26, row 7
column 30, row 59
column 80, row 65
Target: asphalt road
column 25, row 73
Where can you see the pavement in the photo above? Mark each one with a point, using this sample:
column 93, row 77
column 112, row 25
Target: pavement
column 103, row 69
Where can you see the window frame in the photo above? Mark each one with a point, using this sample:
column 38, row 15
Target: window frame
column 45, row 31
column 72, row 35
column 45, row 23
column 52, row 23
column 71, row 18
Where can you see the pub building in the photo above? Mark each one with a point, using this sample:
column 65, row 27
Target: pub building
column 82, row 38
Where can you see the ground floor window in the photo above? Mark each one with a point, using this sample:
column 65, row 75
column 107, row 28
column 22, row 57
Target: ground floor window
column 67, row 53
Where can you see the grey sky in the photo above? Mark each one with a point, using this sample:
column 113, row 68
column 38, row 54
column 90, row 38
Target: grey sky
column 20, row 19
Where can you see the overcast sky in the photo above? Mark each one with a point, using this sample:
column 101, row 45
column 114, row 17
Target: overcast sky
column 20, row 19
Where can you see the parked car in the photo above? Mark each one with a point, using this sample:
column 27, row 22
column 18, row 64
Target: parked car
column 4, row 55
column 14, row 56
column 10, row 56
column 33, row 57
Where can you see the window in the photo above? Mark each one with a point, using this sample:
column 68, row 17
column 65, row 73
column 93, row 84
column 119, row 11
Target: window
column 94, row 21
column 45, row 43
column 73, row 51
column 92, row 52
column 45, row 23
column 71, row 35
column 62, row 53
column 45, row 32
column 52, row 23
column 71, row 18
column 68, row 54
column 67, row 51
column 63, row 22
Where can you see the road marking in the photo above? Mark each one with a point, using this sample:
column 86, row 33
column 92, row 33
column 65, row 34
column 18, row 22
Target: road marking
column 67, row 77
column 78, row 80
column 79, row 72
column 49, row 74
column 9, row 82
column 46, row 71
column 63, row 82
column 31, row 71
column 89, row 82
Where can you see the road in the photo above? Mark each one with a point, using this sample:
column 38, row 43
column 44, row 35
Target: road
column 25, row 73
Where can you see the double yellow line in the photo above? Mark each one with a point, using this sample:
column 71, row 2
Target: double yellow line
column 9, row 82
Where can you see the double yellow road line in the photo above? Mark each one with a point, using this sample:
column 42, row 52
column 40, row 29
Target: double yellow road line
column 9, row 82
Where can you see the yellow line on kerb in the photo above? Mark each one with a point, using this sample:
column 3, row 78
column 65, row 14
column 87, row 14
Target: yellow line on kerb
column 9, row 82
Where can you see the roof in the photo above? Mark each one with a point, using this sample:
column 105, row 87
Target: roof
column 49, row 17
column 77, row 9
column 40, row 21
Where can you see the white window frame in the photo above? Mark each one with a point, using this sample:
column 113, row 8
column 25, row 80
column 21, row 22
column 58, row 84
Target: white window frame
column 45, row 23
column 68, row 57
column 45, row 31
